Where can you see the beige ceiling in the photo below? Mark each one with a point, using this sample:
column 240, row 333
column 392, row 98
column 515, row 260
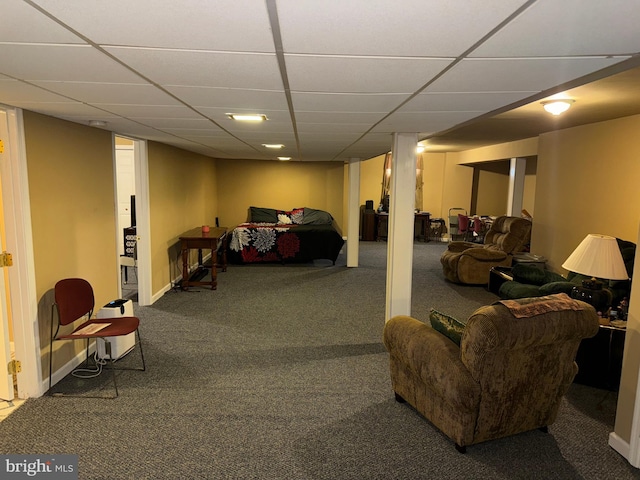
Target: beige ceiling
column 335, row 77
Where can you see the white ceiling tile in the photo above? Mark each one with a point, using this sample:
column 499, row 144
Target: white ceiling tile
column 423, row 121
column 380, row 27
column 237, row 25
column 20, row 22
column 111, row 93
column 341, row 117
column 15, row 91
column 361, row 74
column 345, row 102
column 62, row 109
column 501, row 75
column 73, row 63
column 231, row 98
column 568, row 28
column 203, row 69
column 151, row 111
column 463, row 101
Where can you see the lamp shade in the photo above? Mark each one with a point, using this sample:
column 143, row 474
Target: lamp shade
column 597, row 256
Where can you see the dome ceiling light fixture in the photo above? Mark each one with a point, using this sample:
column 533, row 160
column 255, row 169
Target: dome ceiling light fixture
column 558, row 106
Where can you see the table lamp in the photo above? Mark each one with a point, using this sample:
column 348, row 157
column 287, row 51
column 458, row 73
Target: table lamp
column 597, row 256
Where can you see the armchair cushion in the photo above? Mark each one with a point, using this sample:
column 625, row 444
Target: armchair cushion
column 447, row 325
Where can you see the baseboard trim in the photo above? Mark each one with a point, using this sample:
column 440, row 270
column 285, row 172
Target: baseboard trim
column 619, row 445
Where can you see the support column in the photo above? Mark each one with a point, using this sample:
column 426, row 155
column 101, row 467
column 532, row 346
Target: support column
column 401, row 225
column 517, row 167
column 353, row 213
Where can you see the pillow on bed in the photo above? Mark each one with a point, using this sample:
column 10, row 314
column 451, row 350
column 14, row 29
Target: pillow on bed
column 294, row 216
column 317, row 217
column 263, row 215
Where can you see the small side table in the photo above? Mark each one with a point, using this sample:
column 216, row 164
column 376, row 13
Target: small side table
column 599, row 358
column 196, row 239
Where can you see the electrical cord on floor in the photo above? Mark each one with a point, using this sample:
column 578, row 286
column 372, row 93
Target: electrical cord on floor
column 90, row 372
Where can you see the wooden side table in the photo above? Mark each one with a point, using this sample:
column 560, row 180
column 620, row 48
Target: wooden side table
column 196, row 239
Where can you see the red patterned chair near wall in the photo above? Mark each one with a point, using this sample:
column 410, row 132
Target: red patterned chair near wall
column 470, row 263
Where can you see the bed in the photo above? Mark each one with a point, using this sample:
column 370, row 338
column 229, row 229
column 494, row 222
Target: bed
column 296, row 236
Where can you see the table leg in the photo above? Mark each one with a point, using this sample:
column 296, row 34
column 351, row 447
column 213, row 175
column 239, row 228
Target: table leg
column 185, row 268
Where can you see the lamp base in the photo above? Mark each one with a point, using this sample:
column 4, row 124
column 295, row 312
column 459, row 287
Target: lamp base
column 592, row 293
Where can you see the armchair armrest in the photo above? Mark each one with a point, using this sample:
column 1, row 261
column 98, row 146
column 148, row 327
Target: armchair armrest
column 485, row 254
column 456, row 247
column 434, row 359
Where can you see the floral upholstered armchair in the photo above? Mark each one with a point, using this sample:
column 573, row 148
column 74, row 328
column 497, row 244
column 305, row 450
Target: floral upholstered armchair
column 470, row 263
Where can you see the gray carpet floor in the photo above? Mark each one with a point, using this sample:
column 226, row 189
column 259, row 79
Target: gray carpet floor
column 281, row 374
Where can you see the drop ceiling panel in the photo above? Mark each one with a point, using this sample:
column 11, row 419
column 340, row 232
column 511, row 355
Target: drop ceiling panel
column 14, row 92
column 238, row 25
column 380, row 27
column 516, row 75
column 231, row 98
column 20, row 22
column 66, row 109
column 423, row 121
column 71, row 63
column 463, row 101
column 151, row 111
column 336, row 127
column 110, row 93
column 568, row 28
column 342, row 117
column 203, row 69
column 346, row 102
column 361, row 74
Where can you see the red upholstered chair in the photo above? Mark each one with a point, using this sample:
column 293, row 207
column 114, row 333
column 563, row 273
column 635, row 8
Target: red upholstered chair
column 463, row 226
column 74, row 300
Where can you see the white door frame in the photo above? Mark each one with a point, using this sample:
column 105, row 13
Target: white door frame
column 24, row 302
column 143, row 229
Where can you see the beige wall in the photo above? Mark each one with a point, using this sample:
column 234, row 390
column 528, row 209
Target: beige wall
column 493, row 193
column 371, row 180
column 71, row 188
column 587, row 182
column 183, row 194
column 281, row 185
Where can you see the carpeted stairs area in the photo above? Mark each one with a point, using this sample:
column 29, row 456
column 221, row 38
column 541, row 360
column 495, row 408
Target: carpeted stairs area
column 281, row 374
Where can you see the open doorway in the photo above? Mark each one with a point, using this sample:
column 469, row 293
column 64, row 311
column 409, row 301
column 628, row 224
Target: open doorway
column 125, row 174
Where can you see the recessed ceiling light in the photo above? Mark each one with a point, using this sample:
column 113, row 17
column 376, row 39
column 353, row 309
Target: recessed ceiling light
column 284, row 159
column 247, row 117
column 97, row 123
column 273, row 145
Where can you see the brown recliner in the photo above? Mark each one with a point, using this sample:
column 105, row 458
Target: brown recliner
column 515, row 362
column 470, row 263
